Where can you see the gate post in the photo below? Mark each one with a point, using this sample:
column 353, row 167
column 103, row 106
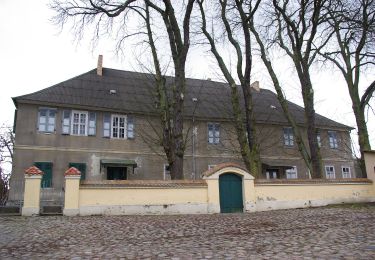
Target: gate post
column 31, row 197
column 71, row 204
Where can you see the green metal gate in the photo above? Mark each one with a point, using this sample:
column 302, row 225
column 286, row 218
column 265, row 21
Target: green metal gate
column 230, row 188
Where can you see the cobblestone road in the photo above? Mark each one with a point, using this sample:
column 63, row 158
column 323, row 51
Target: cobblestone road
column 323, row 233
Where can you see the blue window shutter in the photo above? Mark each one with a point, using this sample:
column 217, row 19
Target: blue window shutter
column 130, row 127
column 107, row 125
column 66, row 122
column 92, row 124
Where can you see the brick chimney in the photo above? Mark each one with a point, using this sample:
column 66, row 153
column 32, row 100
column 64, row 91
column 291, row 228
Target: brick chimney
column 99, row 69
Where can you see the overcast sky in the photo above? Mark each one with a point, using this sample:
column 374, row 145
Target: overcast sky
column 34, row 55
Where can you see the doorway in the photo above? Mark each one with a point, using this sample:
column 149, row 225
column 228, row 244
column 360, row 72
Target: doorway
column 230, row 191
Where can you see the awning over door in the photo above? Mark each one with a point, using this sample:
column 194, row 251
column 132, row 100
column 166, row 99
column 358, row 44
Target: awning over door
column 118, row 162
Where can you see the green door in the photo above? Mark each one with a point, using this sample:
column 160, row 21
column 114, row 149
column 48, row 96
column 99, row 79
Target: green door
column 46, row 168
column 81, row 167
column 230, row 188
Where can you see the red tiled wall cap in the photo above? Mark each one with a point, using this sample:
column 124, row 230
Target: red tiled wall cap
column 222, row 166
column 72, row 171
column 33, row 170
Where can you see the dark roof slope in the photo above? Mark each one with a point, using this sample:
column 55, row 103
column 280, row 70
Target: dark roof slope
column 135, row 94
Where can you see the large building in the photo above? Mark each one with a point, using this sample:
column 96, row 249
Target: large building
column 104, row 122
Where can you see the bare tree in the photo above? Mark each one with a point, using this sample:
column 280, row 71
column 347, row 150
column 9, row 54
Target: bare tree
column 102, row 15
column 6, row 158
column 244, row 123
column 295, row 27
column 352, row 50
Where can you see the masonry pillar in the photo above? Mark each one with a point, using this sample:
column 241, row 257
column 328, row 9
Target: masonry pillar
column 249, row 193
column 31, row 197
column 71, row 205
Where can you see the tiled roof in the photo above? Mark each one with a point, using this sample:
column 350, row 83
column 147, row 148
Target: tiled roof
column 222, row 166
column 144, row 184
column 72, row 171
column 135, row 93
column 33, row 170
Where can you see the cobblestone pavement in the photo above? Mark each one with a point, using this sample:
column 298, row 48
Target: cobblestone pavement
column 320, row 233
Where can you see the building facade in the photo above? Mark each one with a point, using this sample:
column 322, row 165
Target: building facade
column 106, row 125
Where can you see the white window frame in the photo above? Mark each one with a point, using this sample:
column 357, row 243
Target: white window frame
column 332, row 140
column 288, row 136
column 290, row 172
column 113, row 116
column 79, row 123
column 211, row 166
column 47, row 117
column 345, row 175
column 328, row 176
column 215, row 136
column 165, row 171
column 274, row 175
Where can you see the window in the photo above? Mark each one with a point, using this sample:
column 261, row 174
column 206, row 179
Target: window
column 66, row 122
column 92, row 124
column 330, row 172
column 81, row 167
column 46, row 168
column 118, row 126
column 346, row 172
column 213, row 133
column 46, row 120
column 130, row 127
column 318, row 139
column 166, row 172
column 272, row 174
column 332, row 139
column 288, row 136
column 291, row 173
column 107, row 125
column 79, row 123
column 211, row 166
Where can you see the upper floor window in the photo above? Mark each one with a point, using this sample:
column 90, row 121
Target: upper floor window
column 330, row 172
column 78, row 122
column 288, row 136
column 213, row 133
column 46, row 120
column 291, row 173
column 332, row 137
column 346, row 172
column 118, row 126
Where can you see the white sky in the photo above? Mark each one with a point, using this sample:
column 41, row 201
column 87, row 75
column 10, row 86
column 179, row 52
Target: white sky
column 34, row 55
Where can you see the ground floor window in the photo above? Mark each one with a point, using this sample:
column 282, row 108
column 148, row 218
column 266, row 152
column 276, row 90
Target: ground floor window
column 46, row 168
column 272, row 174
column 346, row 172
column 330, row 172
column 81, row 167
column 166, row 172
column 291, row 173
column 117, row 173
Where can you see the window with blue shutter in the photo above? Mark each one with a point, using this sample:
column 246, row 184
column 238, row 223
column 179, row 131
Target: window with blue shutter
column 130, row 127
column 92, row 123
column 66, row 122
column 107, row 125
column 46, row 120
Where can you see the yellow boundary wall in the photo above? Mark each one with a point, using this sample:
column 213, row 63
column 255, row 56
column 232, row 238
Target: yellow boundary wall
column 202, row 196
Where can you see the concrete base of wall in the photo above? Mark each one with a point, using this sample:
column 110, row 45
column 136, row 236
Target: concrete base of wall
column 276, row 204
column 144, row 209
column 30, row 211
column 71, row 212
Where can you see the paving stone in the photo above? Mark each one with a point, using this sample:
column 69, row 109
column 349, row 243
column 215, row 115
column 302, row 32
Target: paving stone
column 319, row 233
